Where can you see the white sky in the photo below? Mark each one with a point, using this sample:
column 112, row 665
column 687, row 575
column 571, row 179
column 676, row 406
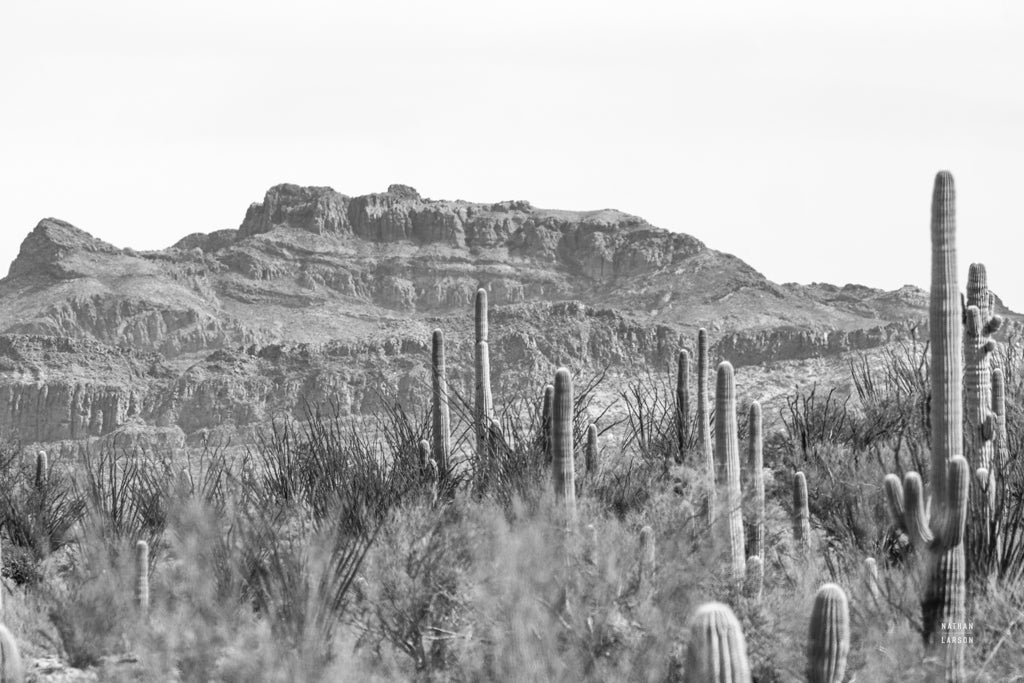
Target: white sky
column 801, row 136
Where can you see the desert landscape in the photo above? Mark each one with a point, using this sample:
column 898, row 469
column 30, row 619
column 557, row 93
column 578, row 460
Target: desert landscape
column 393, row 438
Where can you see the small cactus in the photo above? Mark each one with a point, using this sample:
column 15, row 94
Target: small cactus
column 727, row 449
column 828, row 641
column 755, row 463
column 424, row 455
column 801, row 514
column 646, row 565
column 441, row 418
column 717, row 650
column 704, row 422
column 142, row 576
column 591, row 461
column 11, row 668
column 562, row 448
column 871, row 579
column 42, row 469
column 683, row 402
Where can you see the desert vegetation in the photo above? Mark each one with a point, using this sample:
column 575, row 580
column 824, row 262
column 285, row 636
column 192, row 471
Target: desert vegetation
column 537, row 537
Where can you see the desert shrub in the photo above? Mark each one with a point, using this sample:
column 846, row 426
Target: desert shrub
column 38, row 517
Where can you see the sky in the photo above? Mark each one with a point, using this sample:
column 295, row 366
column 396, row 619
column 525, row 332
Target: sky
column 801, row 136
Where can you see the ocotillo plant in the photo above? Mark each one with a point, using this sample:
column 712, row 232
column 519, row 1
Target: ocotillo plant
column 42, row 469
column 828, row 641
column 727, row 449
column 142, row 577
column 563, row 468
column 704, row 422
column 440, row 416
column 11, row 668
column 940, row 537
column 755, row 463
column 717, row 650
column 683, row 403
column 544, row 437
column 593, row 465
column 484, row 405
column 801, row 513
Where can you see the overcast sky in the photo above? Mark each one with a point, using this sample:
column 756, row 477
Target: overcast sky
column 801, row 136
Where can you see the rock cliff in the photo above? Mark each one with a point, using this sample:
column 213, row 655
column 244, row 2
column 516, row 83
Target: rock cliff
column 318, row 296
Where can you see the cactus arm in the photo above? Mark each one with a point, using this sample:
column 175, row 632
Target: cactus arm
column 916, row 518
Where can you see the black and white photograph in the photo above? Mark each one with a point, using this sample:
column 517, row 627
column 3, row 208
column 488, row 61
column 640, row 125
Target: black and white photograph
column 470, row 342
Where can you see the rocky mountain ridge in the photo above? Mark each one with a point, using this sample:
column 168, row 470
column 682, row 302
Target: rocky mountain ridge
column 320, row 296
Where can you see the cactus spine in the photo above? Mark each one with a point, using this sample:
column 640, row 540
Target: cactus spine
column 801, row 514
column 142, row 576
column 717, row 650
column 683, row 402
column 562, row 450
column 484, row 404
column 11, row 668
column 704, row 422
column 755, row 463
column 727, row 449
column 593, row 466
column 441, row 418
column 828, row 642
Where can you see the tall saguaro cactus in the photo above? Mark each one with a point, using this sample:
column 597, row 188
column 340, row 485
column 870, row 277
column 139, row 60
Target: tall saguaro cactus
column 563, row 470
column 980, row 325
column 717, row 650
column 544, row 437
column 142, row 577
column 940, row 536
column 483, row 409
column 828, row 641
column 727, row 448
column 704, row 422
column 591, row 461
column 42, row 469
column 440, row 416
column 683, row 402
column 755, row 463
column 801, row 513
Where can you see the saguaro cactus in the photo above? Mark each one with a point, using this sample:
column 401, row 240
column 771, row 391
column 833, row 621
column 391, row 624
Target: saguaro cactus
column 704, row 422
column 484, row 403
column 42, row 469
column 727, row 448
column 441, row 419
column 717, row 650
column 11, row 668
column 563, row 469
column 828, row 641
column 591, row 461
column 754, row 582
column 871, row 579
column 980, row 325
column 801, row 513
column 645, row 572
column 940, row 536
column 683, row 402
column 755, row 463
column 1001, row 446
column 142, row 577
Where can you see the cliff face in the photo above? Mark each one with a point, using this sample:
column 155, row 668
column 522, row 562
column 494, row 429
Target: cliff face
column 320, row 296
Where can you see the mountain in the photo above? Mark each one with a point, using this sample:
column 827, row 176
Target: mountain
column 322, row 296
